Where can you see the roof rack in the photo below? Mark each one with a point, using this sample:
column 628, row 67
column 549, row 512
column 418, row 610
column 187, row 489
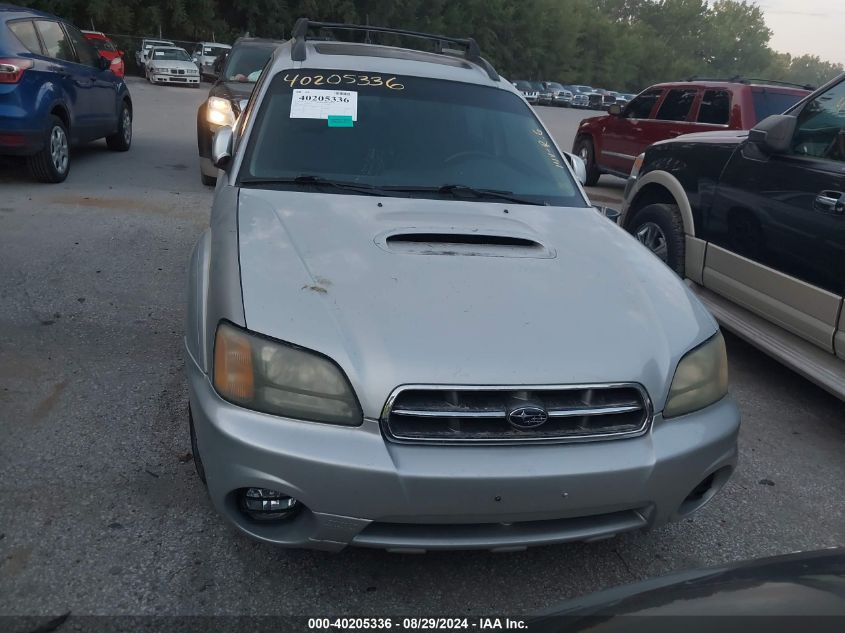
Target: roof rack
column 779, row 83
column 472, row 51
column 739, row 79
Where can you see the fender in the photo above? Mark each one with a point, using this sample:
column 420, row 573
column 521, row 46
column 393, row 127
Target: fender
column 195, row 315
column 673, row 186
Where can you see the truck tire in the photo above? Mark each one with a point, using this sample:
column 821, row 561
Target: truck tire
column 584, row 148
column 660, row 229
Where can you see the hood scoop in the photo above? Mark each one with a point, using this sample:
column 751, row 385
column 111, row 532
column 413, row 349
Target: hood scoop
column 462, row 242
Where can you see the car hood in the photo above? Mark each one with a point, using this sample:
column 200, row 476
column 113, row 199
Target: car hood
column 589, row 304
column 172, row 63
column 795, row 585
column 232, row 90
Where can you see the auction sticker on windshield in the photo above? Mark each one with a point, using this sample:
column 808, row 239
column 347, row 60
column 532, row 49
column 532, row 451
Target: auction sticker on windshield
column 322, row 104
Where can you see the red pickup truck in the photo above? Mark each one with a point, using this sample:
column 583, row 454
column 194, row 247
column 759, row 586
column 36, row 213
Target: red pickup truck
column 610, row 144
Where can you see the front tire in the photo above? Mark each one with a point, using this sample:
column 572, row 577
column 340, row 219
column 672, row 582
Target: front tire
column 121, row 140
column 584, row 148
column 52, row 163
column 659, row 228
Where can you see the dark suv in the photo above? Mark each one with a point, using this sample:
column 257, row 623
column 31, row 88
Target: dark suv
column 756, row 220
column 55, row 92
column 237, row 71
column 609, row 144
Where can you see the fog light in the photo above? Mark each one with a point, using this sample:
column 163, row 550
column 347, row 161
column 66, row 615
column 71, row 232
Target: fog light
column 263, row 504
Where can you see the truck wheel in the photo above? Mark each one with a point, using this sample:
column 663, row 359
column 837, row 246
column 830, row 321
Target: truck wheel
column 52, row 163
column 121, row 140
column 584, row 149
column 660, row 229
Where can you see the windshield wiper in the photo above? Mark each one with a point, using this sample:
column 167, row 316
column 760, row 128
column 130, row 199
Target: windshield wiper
column 317, row 181
column 462, row 192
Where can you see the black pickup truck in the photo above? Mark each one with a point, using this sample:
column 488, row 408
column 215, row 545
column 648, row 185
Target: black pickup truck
column 756, row 221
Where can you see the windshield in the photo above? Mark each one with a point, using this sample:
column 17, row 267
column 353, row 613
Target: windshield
column 767, row 103
column 522, row 85
column 102, row 45
column 555, row 86
column 214, row 51
column 406, row 132
column 171, row 54
column 245, row 63
column 536, row 85
column 150, row 45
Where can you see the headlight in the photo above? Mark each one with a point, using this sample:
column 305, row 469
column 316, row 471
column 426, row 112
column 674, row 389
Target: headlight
column 700, row 379
column 280, row 379
column 638, row 163
column 219, row 111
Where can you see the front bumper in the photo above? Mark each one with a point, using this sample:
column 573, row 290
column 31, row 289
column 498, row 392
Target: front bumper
column 181, row 80
column 359, row 489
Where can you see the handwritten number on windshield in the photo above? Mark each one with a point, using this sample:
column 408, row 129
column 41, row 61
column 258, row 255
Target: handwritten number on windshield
column 374, row 81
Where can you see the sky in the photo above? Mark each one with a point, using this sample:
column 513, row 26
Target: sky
column 807, row 26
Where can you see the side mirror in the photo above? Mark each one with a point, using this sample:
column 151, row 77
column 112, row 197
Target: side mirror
column 615, row 110
column 611, row 214
column 221, row 147
column 579, row 167
column 774, row 134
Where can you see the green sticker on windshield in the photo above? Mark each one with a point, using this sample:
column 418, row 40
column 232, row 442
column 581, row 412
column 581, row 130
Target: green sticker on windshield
column 337, row 120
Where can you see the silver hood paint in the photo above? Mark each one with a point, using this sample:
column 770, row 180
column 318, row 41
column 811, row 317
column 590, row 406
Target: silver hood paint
column 603, row 310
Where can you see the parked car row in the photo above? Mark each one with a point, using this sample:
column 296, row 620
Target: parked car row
column 577, row 96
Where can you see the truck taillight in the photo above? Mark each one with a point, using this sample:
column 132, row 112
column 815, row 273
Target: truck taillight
column 12, row 69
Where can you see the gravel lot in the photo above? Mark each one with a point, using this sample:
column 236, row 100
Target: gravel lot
column 102, row 512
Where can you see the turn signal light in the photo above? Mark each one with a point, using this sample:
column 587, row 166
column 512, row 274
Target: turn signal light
column 234, row 378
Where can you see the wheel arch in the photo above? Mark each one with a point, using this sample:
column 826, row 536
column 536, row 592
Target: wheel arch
column 58, row 109
column 583, row 135
column 659, row 187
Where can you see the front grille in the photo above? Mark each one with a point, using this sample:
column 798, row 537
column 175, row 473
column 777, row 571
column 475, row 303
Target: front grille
column 483, row 413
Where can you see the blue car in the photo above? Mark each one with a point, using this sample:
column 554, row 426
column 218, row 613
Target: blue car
column 55, row 92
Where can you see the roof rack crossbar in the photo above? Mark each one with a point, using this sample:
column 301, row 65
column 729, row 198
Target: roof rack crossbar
column 739, row 79
column 781, row 83
column 300, row 31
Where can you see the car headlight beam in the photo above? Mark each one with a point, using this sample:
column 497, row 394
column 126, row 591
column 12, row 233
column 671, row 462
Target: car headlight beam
column 701, row 378
column 281, row 379
column 219, row 111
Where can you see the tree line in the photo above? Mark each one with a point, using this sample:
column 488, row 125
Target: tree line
column 618, row 44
